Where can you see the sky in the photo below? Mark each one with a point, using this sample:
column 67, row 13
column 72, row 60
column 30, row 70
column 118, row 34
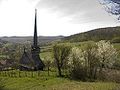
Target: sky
column 54, row 17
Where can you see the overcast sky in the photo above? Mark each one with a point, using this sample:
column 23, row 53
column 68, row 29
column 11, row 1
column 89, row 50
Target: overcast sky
column 55, row 17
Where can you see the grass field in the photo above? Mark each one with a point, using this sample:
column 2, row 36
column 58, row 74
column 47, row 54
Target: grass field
column 52, row 82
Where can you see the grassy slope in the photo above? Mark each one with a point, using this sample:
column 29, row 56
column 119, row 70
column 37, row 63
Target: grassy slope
column 54, row 83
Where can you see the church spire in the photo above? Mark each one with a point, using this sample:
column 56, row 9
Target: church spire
column 35, row 30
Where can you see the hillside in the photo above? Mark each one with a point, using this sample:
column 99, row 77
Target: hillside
column 28, row 39
column 109, row 33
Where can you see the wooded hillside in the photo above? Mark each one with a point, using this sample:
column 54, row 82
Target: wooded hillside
column 110, row 33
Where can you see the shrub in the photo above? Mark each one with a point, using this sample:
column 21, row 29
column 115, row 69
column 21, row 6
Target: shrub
column 110, row 75
column 116, row 40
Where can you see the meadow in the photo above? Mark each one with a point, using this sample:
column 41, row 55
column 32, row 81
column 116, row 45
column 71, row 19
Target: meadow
column 44, row 82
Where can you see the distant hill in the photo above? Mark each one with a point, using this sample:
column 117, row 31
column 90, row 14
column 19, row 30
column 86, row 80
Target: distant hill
column 2, row 41
column 29, row 39
column 109, row 33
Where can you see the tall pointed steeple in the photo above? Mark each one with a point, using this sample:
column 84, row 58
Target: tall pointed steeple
column 32, row 60
column 35, row 30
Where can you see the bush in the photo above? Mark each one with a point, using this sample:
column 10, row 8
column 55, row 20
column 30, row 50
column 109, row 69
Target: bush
column 116, row 40
column 110, row 75
column 78, row 73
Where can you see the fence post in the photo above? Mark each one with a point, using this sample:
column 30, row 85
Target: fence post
column 19, row 74
column 38, row 73
column 32, row 74
column 25, row 74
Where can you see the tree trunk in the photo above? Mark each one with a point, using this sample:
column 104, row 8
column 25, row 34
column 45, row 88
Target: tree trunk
column 48, row 71
column 95, row 73
column 59, row 71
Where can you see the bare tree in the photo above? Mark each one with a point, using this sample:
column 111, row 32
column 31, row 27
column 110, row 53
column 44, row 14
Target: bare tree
column 112, row 7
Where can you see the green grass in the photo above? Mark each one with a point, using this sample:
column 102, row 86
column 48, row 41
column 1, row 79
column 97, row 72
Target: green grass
column 54, row 83
column 47, row 56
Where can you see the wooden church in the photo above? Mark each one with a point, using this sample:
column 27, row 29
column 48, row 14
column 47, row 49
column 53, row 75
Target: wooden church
column 31, row 60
